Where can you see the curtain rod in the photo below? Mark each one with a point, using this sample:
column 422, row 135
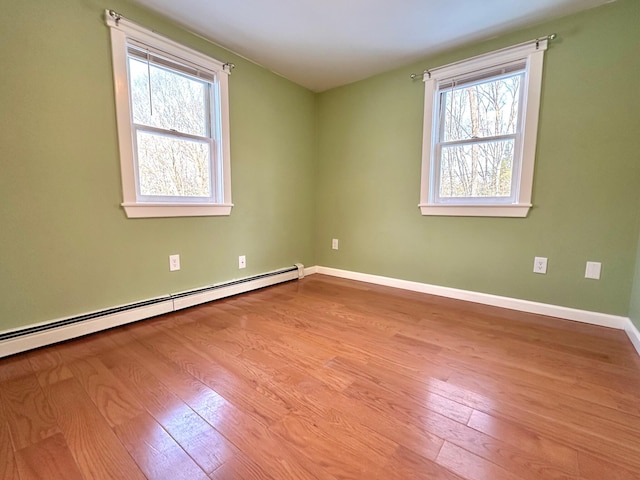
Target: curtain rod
column 117, row 17
column 537, row 41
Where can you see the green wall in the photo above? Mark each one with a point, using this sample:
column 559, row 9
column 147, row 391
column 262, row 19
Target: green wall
column 307, row 168
column 586, row 186
column 66, row 246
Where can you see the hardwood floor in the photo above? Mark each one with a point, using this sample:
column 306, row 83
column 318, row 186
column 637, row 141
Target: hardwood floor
column 329, row 379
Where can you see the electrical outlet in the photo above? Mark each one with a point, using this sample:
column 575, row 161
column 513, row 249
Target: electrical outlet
column 593, row 270
column 334, row 244
column 242, row 261
column 540, row 265
column 174, row 263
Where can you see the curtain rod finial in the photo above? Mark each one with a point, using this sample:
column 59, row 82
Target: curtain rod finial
column 115, row 15
column 416, row 75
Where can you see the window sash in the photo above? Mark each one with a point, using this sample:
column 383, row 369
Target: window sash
column 213, row 174
column 209, row 96
column 515, row 173
column 487, row 75
column 450, row 86
column 178, row 68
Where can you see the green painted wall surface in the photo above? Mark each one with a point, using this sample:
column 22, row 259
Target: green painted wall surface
column 66, row 246
column 586, row 185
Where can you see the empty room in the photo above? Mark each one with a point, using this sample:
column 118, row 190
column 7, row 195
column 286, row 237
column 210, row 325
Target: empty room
column 320, row 240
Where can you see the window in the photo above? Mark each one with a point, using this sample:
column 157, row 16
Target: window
column 173, row 125
column 480, row 128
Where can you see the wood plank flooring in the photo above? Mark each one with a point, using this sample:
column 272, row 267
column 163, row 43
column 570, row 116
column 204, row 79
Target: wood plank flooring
column 327, row 379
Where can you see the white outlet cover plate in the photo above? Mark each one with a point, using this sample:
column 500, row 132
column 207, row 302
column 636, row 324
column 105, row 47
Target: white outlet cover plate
column 242, row 261
column 334, row 244
column 593, row 270
column 174, row 263
column 540, row 265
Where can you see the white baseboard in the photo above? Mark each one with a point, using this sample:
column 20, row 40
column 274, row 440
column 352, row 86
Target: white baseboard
column 584, row 316
column 310, row 270
column 161, row 306
column 634, row 334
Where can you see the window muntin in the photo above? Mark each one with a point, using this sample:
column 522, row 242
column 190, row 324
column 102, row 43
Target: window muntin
column 480, row 130
column 173, row 125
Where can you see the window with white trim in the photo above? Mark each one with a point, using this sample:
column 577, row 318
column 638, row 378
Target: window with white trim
column 480, row 129
column 173, row 125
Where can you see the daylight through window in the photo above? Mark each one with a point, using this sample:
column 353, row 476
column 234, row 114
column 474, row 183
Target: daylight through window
column 479, row 137
column 172, row 126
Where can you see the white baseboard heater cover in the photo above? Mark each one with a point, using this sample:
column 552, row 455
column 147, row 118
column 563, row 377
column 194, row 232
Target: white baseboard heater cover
column 47, row 333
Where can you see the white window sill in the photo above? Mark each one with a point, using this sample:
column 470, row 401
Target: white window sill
column 154, row 210
column 512, row 210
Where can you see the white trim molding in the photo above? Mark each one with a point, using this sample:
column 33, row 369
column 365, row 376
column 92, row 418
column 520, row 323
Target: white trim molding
column 142, row 210
column 511, row 210
column 311, row 270
column 525, row 60
column 125, row 33
column 566, row 313
column 633, row 333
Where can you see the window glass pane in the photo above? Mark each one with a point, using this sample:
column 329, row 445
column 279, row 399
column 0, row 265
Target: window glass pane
column 480, row 110
column 172, row 166
column 168, row 100
column 480, row 169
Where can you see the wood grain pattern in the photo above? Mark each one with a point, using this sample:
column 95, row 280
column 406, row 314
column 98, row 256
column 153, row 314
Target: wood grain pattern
column 156, row 453
column 528, row 441
column 237, row 386
column 15, row 367
column 327, row 379
column 402, row 431
column 48, row 365
column 339, row 455
column 240, row 467
column 8, row 468
column 201, row 441
column 95, row 448
column 114, row 401
column 264, row 446
column 506, row 455
column 405, row 464
column 27, row 411
column 47, row 459
column 470, row 466
column 592, row 468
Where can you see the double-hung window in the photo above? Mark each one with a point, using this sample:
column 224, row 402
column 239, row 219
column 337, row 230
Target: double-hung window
column 173, row 127
column 480, row 128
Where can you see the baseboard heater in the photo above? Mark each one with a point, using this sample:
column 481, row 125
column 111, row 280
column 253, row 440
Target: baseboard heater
column 47, row 333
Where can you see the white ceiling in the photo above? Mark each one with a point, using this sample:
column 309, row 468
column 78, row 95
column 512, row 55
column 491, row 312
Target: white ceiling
column 322, row 44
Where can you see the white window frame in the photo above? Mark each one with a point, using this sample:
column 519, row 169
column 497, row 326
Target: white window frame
column 532, row 53
column 124, row 32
